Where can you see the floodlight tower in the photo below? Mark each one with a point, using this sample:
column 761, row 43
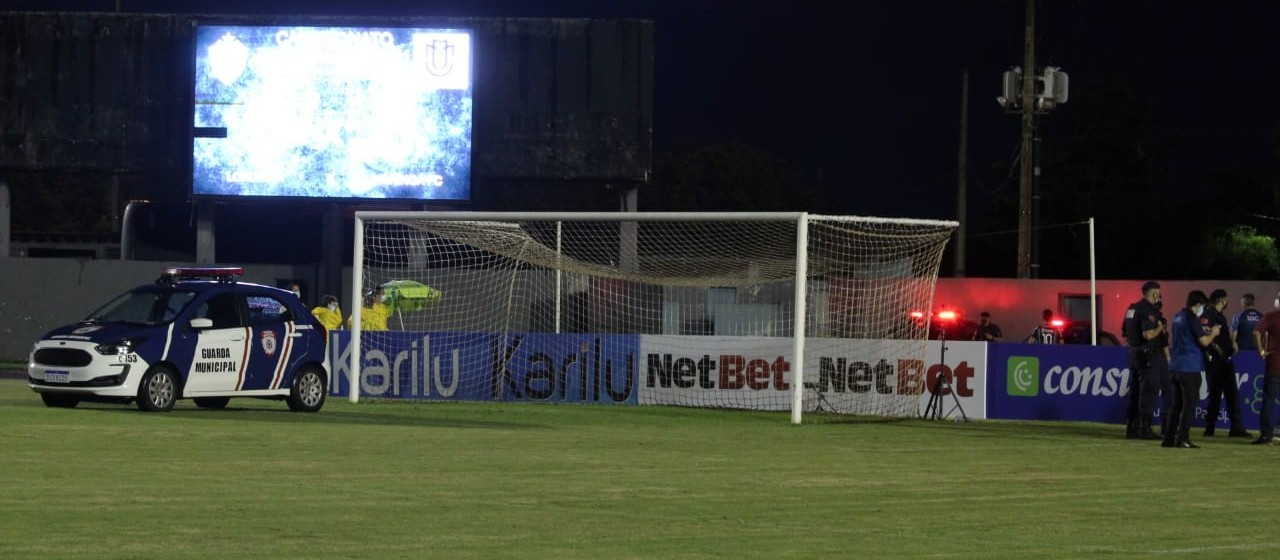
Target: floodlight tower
column 1030, row 94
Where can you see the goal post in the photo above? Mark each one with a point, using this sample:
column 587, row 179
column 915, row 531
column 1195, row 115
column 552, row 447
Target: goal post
column 784, row 311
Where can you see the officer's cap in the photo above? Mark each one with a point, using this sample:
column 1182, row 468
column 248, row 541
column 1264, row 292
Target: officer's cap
column 1150, row 285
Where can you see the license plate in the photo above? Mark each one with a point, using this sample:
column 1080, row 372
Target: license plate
column 57, row 377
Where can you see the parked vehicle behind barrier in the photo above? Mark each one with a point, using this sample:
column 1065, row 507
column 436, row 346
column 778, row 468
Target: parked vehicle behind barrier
column 1078, row 333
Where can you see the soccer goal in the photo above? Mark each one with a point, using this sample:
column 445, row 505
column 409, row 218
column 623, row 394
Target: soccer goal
column 764, row 311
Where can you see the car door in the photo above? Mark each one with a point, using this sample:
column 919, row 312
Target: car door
column 221, row 355
column 275, row 342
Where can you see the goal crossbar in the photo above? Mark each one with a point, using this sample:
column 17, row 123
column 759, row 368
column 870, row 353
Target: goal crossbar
column 371, row 215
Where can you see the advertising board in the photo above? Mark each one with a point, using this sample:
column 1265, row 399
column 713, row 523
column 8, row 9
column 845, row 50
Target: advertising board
column 1088, row 383
column 757, row 373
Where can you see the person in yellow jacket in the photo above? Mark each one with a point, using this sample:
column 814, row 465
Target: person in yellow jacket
column 374, row 312
column 328, row 313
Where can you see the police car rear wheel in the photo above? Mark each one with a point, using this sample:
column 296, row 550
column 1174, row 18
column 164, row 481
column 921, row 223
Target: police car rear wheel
column 216, row 403
column 158, row 390
column 59, row 401
column 307, row 392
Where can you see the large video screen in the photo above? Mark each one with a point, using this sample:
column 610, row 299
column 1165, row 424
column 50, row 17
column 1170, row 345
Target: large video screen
column 338, row 112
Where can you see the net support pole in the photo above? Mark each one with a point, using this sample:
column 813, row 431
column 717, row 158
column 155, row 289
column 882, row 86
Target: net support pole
column 797, row 344
column 559, row 270
column 1093, row 290
column 357, row 307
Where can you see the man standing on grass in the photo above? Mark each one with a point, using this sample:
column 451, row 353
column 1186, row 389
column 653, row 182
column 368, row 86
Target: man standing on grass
column 1143, row 325
column 1266, row 336
column 1220, row 370
column 1190, row 332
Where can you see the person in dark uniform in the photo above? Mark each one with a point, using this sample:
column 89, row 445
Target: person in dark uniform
column 1267, row 338
column 1160, row 367
column 987, row 331
column 1190, row 333
column 1220, row 369
column 1243, row 323
column 1143, row 326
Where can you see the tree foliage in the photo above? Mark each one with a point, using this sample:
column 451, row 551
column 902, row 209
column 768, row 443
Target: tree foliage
column 1238, row 252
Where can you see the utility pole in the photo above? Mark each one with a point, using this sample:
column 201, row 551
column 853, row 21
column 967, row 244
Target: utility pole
column 1028, row 132
column 1036, row 232
column 1018, row 94
column 963, row 169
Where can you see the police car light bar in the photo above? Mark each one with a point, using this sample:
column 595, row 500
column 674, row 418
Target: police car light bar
column 220, row 273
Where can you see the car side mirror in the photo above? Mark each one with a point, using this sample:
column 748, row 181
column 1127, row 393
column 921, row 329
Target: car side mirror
column 201, row 323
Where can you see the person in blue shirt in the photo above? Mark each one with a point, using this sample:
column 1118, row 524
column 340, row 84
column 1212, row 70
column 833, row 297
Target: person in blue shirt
column 1190, row 332
column 1243, row 323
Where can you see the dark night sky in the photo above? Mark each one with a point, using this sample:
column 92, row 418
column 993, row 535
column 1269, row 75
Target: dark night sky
column 868, row 92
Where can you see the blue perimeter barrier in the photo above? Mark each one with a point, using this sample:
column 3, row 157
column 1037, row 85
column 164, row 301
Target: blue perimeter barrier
column 1090, row 383
column 1022, row 381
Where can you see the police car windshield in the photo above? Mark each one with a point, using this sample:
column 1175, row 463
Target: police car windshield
column 143, row 306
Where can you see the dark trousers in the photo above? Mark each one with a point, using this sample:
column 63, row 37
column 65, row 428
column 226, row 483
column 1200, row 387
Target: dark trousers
column 1155, row 384
column 1178, row 417
column 1220, row 373
column 1266, row 422
column 1138, row 367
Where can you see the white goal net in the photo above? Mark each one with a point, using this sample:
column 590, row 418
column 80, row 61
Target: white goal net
column 689, row 309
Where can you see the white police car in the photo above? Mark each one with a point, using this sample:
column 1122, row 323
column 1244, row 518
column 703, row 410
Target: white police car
column 195, row 333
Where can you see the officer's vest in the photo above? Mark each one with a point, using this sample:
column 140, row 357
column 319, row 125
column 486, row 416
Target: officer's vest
column 1132, row 327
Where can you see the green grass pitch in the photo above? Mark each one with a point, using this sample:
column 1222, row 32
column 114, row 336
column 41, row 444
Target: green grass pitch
column 413, row 480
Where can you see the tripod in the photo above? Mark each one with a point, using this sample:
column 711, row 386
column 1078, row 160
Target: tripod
column 823, row 404
column 933, row 410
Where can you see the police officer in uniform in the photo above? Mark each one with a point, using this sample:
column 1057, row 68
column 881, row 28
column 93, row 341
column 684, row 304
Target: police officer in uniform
column 1148, row 365
column 1160, row 368
column 1220, row 369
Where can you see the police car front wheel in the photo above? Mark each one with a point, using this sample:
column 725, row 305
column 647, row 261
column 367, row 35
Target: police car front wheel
column 158, row 391
column 308, row 390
